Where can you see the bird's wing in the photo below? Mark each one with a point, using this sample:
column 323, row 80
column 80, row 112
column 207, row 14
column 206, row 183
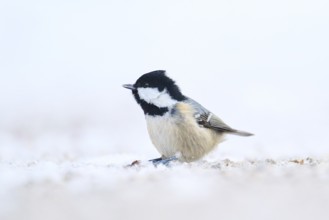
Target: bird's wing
column 209, row 120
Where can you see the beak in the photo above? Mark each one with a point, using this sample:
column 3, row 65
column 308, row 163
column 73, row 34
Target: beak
column 129, row 86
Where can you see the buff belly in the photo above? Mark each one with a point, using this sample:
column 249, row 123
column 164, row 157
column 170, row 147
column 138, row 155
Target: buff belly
column 180, row 135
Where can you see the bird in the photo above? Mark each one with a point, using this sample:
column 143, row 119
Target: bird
column 179, row 127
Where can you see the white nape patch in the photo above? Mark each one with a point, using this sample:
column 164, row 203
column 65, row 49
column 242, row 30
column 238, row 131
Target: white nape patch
column 155, row 97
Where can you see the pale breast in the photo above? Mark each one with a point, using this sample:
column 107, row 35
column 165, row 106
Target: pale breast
column 163, row 133
column 179, row 134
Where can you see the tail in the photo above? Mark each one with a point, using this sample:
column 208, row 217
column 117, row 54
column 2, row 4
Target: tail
column 241, row 133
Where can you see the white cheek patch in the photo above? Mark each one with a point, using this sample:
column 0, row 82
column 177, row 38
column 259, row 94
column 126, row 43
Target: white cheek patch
column 148, row 94
column 155, row 97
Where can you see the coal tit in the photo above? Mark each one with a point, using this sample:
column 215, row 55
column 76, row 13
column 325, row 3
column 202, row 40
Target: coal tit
column 179, row 127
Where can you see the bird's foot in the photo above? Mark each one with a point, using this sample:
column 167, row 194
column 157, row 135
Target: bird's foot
column 156, row 162
column 163, row 161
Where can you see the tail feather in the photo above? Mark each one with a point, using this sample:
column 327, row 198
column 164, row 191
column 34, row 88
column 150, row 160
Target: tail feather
column 241, row 133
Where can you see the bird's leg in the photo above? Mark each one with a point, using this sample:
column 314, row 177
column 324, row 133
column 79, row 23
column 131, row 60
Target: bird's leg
column 164, row 161
column 156, row 160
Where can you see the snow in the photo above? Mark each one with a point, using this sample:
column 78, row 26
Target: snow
column 102, row 188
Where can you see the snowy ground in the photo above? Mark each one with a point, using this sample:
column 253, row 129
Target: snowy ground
column 103, row 188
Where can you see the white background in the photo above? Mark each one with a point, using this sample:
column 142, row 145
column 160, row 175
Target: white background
column 262, row 66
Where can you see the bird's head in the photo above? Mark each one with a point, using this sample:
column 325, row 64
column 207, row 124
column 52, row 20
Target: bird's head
column 155, row 91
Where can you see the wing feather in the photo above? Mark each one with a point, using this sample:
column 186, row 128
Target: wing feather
column 209, row 120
